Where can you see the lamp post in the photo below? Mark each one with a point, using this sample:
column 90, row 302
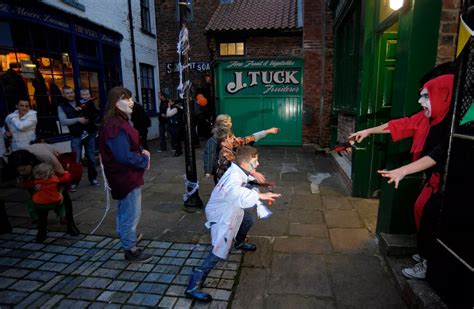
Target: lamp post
column 192, row 201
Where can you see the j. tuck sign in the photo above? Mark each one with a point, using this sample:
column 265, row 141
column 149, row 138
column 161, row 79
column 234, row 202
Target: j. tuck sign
column 267, row 77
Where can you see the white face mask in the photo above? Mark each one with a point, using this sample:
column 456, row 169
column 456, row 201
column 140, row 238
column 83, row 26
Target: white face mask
column 253, row 164
column 425, row 102
column 125, row 105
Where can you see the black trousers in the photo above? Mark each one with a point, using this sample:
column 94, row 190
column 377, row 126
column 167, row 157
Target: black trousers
column 429, row 223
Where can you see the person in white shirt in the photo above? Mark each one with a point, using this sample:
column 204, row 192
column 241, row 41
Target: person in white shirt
column 21, row 125
column 226, row 217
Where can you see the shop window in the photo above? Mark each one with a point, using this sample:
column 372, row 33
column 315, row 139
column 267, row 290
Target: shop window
column 189, row 13
column 147, row 81
column 86, row 47
column 111, row 67
column 145, row 14
column 232, row 49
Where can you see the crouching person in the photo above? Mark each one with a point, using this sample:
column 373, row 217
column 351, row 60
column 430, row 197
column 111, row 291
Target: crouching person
column 226, row 216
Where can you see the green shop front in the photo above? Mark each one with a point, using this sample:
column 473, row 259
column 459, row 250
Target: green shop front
column 380, row 56
column 260, row 94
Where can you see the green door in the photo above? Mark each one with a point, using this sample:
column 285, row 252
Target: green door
column 260, row 94
column 382, row 105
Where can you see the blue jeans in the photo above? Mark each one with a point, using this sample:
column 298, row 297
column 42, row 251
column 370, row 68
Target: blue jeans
column 209, row 263
column 247, row 223
column 129, row 210
column 89, row 145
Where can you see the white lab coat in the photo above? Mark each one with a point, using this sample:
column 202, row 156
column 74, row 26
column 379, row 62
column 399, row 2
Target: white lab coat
column 23, row 128
column 225, row 209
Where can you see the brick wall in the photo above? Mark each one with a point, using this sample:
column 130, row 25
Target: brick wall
column 167, row 38
column 274, row 46
column 318, row 52
column 448, row 30
column 346, row 126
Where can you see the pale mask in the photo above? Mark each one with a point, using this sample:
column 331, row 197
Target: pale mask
column 125, row 105
column 253, row 164
column 425, row 102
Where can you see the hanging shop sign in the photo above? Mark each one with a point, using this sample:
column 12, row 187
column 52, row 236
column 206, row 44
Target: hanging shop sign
column 263, row 77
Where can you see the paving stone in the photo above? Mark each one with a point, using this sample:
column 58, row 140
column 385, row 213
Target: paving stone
column 98, row 305
column 54, row 249
column 52, row 266
column 72, row 267
column 26, row 285
column 154, row 288
column 305, row 216
column 342, row 219
column 131, row 275
column 95, row 283
column 49, row 285
column 360, row 281
column 181, row 279
column 66, row 285
column 158, row 252
column 160, row 244
column 167, row 269
column 116, row 264
column 26, row 238
column 186, row 270
column 183, row 303
column 296, row 301
column 9, row 261
column 311, row 279
column 60, row 258
column 43, row 276
column 210, row 282
column 5, row 282
column 167, row 302
column 42, row 256
column 222, row 295
column 303, row 245
column 15, row 273
column 104, row 242
column 336, row 202
column 73, row 303
column 33, row 298
column 85, row 294
column 260, row 258
column 11, row 297
column 226, row 284
column 352, row 241
column 75, row 251
column 216, row 273
column 33, row 246
column 94, row 238
column 140, row 267
column 229, row 274
column 119, row 297
column 106, row 272
column 52, row 301
column 308, row 230
column 89, row 269
column 19, row 253
column 144, row 299
column 125, row 286
column 166, row 278
column 176, row 290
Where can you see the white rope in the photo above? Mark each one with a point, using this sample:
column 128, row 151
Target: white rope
column 188, row 184
column 182, row 49
column 107, row 196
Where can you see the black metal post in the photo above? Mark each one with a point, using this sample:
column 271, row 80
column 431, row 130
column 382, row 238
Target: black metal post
column 193, row 203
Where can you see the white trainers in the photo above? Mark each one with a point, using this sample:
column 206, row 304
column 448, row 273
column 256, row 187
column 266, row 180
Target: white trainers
column 417, row 258
column 416, row 272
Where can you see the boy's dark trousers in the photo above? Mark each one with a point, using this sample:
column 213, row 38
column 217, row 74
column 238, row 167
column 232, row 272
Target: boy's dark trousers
column 5, row 226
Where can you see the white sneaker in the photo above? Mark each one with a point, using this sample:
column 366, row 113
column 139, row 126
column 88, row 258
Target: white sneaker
column 73, row 188
column 416, row 272
column 417, row 258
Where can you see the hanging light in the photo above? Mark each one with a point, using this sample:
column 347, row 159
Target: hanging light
column 395, row 4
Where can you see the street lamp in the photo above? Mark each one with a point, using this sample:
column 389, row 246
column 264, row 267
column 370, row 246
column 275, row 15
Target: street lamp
column 192, row 201
column 395, row 4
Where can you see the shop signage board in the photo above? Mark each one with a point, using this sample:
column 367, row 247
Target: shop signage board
column 260, row 94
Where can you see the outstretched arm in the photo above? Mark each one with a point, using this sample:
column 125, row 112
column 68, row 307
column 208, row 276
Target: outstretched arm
column 398, row 174
column 359, row 136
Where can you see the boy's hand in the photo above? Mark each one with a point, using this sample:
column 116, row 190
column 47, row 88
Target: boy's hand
column 147, row 153
column 273, row 131
column 37, row 187
column 268, row 196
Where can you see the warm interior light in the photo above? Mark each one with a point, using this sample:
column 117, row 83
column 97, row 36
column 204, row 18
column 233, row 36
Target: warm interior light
column 395, row 4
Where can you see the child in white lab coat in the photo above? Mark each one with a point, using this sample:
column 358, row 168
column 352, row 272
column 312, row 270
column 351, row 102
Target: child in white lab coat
column 226, row 217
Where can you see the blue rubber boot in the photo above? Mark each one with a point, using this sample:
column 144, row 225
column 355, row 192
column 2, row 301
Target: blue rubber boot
column 193, row 287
